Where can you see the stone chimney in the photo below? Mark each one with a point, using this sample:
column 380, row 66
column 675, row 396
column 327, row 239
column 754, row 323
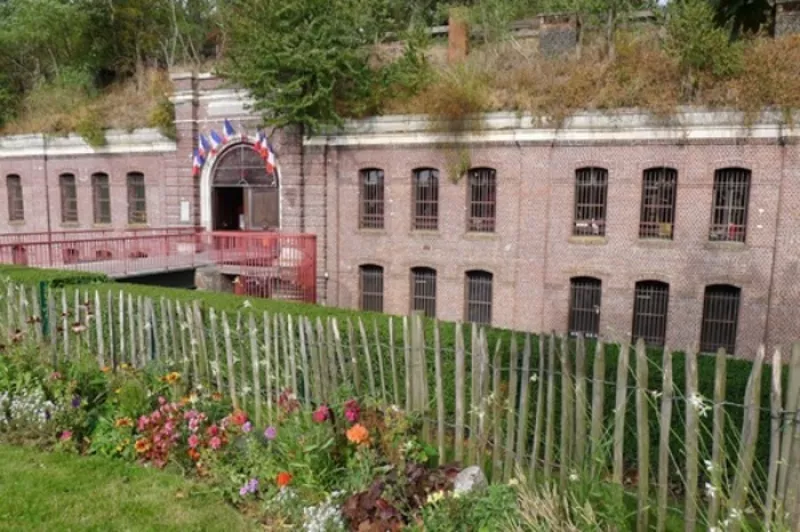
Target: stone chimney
column 787, row 17
column 457, row 37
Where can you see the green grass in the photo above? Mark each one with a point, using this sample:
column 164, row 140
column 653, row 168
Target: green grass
column 53, row 491
column 56, row 278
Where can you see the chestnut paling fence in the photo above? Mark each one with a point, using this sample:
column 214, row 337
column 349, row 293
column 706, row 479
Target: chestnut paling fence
column 541, row 407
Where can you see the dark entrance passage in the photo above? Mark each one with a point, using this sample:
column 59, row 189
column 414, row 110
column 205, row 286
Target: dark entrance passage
column 228, row 206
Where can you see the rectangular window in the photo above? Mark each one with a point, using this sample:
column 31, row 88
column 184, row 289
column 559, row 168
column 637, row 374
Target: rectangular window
column 650, row 304
column 101, row 197
column 479, row 297
column 423, row 291
column 590, row 201
column 16, row 205
column 69, row 199
column 658, row 203
column 371, row 284
column 720, row 318
column 482, row 198
column 137, row 199
column 730, row 201
column 584, row 306
column 371, row 206
column 426, row 199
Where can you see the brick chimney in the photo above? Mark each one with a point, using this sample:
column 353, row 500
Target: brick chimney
column 457, row 37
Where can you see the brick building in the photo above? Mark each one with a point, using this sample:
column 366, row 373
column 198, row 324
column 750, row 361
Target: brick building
column 681, row 231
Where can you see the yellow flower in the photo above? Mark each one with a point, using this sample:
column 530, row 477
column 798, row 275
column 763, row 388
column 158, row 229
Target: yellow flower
column 123, row 421
column 142, row 446
column 171, row 378
column 118, row 390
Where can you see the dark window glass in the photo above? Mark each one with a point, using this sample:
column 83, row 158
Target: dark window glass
column 69, row 198
column 482, row 198
column 423, row 291
column 371, row 205
column 101, row 197
column 371, row 284
column 16, row 205
column 659, row 188
column 730, row 201
column 591, row 194
column 426, row 199
column 720, row 318
column 137, row 199
column 584, row 306
column 479, row 297
column 650, row 304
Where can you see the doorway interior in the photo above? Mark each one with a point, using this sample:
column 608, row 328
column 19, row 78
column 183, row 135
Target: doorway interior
column 228, row 208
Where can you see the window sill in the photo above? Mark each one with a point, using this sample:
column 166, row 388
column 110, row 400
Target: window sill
column 138, row 226
column 71, row 225
column 656, row 242
column 103, row 225
column 727, row 246
column 374, row 232
column 424, row 232
column 477, row 235
column 589, row 240
column 16, row 223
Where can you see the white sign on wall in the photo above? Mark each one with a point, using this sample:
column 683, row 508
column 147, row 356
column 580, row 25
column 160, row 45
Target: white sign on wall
column 184, row 211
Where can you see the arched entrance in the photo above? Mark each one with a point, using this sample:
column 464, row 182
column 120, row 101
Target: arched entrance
column 243, row 196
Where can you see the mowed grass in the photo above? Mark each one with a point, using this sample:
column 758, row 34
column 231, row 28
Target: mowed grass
column 54, row 491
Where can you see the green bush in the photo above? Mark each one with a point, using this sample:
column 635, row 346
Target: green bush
column 55, row 278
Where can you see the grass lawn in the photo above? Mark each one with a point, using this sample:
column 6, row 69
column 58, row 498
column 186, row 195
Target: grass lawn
column 52, row 491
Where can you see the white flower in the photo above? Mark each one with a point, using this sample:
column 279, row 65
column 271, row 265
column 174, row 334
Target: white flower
column 709, row 465
column 714, row 529
column 513, row 482
column 573, row 477
column 734, row 514
column 534, row 377
column 655, row 393
column 247, row 303
column 711, row 491
column 699, row 403
column 435, row 497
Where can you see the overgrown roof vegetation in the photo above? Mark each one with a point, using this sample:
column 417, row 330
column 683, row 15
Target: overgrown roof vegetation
column 86, row 65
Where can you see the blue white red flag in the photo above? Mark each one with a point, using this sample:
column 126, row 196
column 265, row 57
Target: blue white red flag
column 216, row 141
column 202, row 145
column 270, row 157
column 227, row 131
column 197, row 163
column 257, row 143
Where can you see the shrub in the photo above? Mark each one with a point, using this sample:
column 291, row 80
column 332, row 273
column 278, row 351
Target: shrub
column 54, row 278
column 90, row 128
column 162, row 117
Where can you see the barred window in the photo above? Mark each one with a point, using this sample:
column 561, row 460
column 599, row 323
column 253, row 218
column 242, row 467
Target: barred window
column 730, row 201
column 371, row 287
column 650, row 304
column 479, row 297
column 69, row 198
column 720, row 318
column 423, row 290
column 371, row 206
column 584, row 306
column 101, row 198
column 137, row 199
column 16, row 205
column 482, row 198
column 659, row 188
column 591, row 196
column 426, row 199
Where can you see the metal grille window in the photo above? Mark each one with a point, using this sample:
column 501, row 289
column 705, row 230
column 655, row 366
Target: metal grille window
column 482, row 199
column 658, row 203
column 720, row 318
column 584, row 306
column 371, row 206
column 137, row 199
column 16, row 205
column 371, row 285
column 101, row 198
column 650, row 304
column 423, row 290
column 479, row 297
column 426, row 199
column 729, row 209
column 69, row 198
column 591, row 195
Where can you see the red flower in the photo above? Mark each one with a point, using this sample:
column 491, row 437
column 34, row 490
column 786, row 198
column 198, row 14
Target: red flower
column 239, row 417
column 283, row 479
column 352, row 411
column 213, row 430
column 321, row 414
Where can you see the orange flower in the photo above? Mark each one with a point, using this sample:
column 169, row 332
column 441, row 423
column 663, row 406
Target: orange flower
column 171, row 378
column 123, row 422
column 142, row 446
column 283, row 479
column 239, row 417
column 105, row 369
column 358, row 434
column 216, row 396
column 194, row 455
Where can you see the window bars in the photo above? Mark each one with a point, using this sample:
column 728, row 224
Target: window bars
column 659, row 187
column 720, row 318
column 584, row 306
column 137, row 199
column 426, row 199
column 423, row 290
column 591, row 197
column 69, row 198
column 371, row 287
column 729, row 208
column 650, row 307
column 101, row 198
column 482, row 200
column 479, row 297
column 16, row 204
column 371, row 204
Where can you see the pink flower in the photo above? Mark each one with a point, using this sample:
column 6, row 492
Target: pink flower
column 321, row 414
column 142, row 424
column 162, row 401
column 66, row 435
column 247, row 427
column 215, row 443
column 270, row 433
column 194, row 441
column 352, row 411
column 55, row 376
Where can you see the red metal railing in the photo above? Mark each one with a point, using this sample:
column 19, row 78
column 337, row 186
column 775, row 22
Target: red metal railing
column 93, row 234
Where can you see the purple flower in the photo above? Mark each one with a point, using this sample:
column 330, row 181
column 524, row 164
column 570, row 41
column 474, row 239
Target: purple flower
column 270, row 433
column 76, row 401
column 252, row 486
column 243, row 491
column 247, row 427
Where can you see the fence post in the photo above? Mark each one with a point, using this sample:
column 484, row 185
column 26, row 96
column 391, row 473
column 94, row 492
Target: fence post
column 45, row 310
column 790, row 446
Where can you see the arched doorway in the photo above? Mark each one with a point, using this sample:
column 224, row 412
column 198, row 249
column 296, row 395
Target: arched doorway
column 243, row 196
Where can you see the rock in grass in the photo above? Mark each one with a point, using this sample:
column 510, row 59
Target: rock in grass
column 470, row 480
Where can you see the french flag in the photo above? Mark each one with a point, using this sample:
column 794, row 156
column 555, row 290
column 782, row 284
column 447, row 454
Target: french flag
column 257, row 143
column 197, row 163
column 228, row 133
column 269, row 157
column 216, row 141
column 202, row 145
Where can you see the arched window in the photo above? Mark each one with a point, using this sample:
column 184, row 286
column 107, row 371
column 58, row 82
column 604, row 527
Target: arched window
column 69, row 198
column 16, row 205
column 591, row 197
column 137, row 199
column 371, row 196
column 731, row 197
column 720, row 318
column 482, row 200
column 371, row 287
column 240, row 166
column 584, row 306
column 423, row 290
column 426, row 199
column 650, row 306
column 478, row 308
column 659, row 187
column 101, row 198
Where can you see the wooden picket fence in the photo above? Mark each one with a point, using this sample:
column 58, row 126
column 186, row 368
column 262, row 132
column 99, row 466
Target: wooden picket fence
column 526, row 407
